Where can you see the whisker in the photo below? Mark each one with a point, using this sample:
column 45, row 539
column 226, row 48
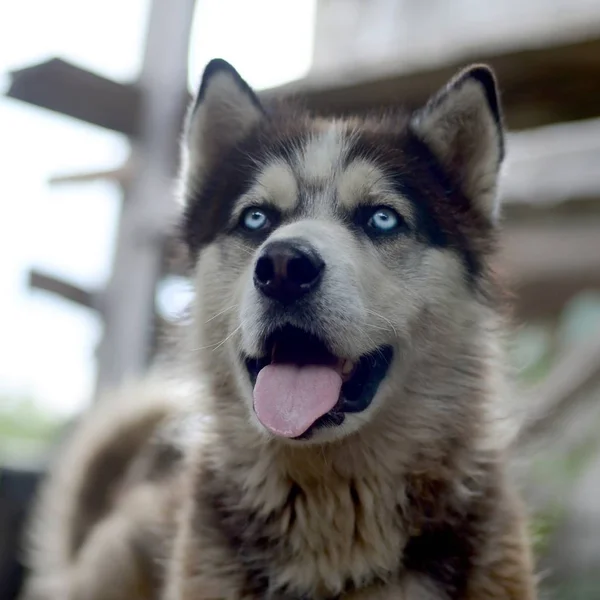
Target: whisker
column 376, row 327
column 376, row 314
column 375, row 346
column 217, row 345
column 365, row 334
column 229, row 336
column 244, row 248
column 221, row 312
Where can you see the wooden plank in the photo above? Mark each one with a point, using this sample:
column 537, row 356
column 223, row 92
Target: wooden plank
column 129, row 299
column 552, row 165
column 550, row 262
column 555, row 249
column 539, row 86
column 70, row 90
column 64, row 289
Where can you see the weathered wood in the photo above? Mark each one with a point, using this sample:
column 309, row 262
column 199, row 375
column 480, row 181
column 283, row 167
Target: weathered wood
column 64, row 289
column 550, row 262
column 551, row 165
column 359, row 34
column 547, row 84
column 129, row 298
column 70, row 90
column 121, row 175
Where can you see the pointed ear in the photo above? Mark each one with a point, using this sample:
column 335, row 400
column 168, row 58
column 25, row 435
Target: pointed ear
column 462, row 125
column 223, row 112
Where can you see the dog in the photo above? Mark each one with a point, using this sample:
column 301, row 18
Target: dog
column 345, row 354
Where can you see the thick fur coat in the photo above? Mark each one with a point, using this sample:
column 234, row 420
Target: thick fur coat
column 358, row 250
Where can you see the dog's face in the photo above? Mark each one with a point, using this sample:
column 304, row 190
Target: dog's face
column 320, row 244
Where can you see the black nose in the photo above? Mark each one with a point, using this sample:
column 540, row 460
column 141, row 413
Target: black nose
column 287, row 270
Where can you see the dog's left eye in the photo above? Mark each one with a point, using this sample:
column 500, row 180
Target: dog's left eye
column 384, row 220
column 254, row 219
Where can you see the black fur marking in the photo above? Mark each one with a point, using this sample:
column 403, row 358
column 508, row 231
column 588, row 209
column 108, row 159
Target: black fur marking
column 243, row 531
column 438, row 235
column 165, row 458
column 449, row 527
column 354, row 495
column 290, row 502
column 247, row 534
column 218, row 65
column 209, row 204
column 485, row 77
column 208, row 207
column 444, row 554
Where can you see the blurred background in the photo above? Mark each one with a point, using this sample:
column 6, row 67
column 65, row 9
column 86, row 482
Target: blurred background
column 91, row 277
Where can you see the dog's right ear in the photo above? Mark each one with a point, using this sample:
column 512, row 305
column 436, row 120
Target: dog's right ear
column 223, row 112
column 462, row 125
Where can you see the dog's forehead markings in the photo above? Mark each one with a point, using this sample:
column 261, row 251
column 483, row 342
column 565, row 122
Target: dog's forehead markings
column 277, row 184
column 321, row 156
column 358, row 180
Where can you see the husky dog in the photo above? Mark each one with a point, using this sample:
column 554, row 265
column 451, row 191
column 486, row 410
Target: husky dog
column 346, row 332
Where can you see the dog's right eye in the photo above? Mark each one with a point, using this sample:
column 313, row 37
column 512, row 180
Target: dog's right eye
column 254, row 219
column 379, row 221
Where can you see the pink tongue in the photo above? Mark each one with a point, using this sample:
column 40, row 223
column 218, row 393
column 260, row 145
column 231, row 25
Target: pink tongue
column 288, row 399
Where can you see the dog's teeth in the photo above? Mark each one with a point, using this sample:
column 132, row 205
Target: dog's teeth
column 347, row 367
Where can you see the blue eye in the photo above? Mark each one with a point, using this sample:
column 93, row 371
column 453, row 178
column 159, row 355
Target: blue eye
column 384, row 220
column 254, row 219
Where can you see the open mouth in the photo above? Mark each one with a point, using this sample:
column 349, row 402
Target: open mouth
column 300, row 386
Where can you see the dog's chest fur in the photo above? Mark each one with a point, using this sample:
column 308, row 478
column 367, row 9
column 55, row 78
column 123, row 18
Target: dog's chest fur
column 304, row 536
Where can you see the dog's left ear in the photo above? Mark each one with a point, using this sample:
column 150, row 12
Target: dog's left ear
column 462, row 125
column 224, row 111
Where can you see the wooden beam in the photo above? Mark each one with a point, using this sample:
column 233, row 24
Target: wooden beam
column 550, row 262
column 539, row 86
column 70, row 90
column 129, row 299
column 64, row 289
column 556, row 249
column 551, row 165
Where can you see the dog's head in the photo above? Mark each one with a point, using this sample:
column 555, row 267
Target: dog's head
column 321, row 244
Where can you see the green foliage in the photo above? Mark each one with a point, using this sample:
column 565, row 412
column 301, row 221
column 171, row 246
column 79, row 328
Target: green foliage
column 543, row 524
column 25, row 429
